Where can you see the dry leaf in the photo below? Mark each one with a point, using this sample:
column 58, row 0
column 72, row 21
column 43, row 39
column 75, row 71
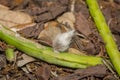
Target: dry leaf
column 67, row 18
column 75, row 51
column 22, row 27
column 26, row 59
column 14, row 18
column 3, row 7
column 25, row 69
column 51, row 29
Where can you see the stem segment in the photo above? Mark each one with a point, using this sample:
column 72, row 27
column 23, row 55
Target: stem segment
column 105, row 33
column 10, row 54
column 45, row 53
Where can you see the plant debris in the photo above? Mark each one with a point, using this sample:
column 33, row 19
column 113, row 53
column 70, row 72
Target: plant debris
column 39, row 20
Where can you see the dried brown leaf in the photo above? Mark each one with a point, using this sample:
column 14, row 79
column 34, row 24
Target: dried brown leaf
column 51, row 29
column 67, row 18
column 14, row 18
column 26, row 59
column 75, row 51
column 3, row 7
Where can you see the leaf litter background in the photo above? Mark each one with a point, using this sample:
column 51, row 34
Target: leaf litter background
column 41, row 21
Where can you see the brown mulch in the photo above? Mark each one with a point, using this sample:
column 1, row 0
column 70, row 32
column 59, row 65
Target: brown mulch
column 44, row 11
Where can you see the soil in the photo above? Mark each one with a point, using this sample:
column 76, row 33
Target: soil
column 44, row 11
